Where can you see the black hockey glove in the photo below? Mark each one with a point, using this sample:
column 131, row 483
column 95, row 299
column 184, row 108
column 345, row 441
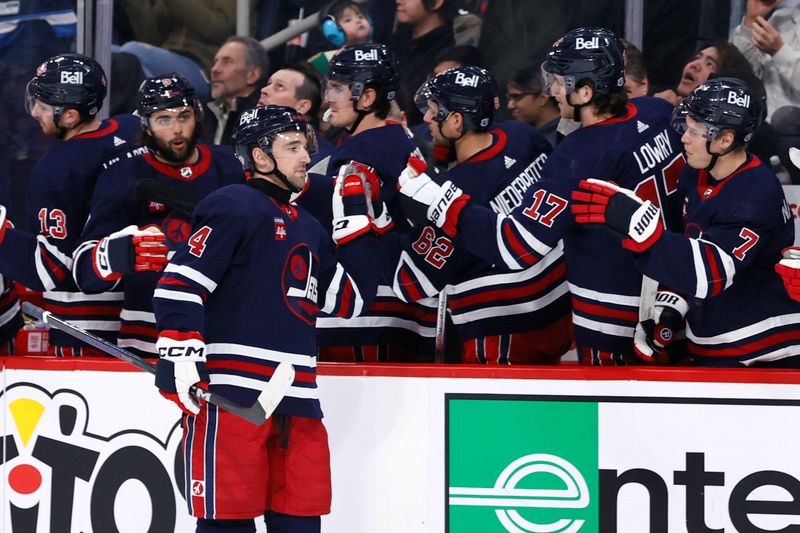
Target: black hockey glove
column 603, row 202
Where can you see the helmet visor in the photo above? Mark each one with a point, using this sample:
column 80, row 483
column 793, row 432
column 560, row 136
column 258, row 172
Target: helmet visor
column 694, row 127
column 555, row 84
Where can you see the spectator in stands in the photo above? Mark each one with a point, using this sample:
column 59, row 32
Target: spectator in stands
column 460, row 55
column 179, row 36
column 636, row 81
column 528, row 103
column 239, row 71
column 425, row 28
column 342, row 22
column 298, row 86
column 771, row 43
column 718, row 56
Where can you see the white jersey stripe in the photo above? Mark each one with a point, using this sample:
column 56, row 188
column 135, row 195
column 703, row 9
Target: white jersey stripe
column 177, row 295
column 516, row 309
column 602, row 327
column 302, row 393
column 194, row 275
column 375, row 322
column 606, row 297
column 741, row 334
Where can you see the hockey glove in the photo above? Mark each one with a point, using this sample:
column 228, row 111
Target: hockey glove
column 603, row 202
column 182, row 364
column 352, row 205
column 381, row 219
column 130, row 250
column 789, row 270
column 666, row 319
column 426, row 201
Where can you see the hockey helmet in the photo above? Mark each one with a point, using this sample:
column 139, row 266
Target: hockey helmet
column 166, row 92
column 260, row 126
column 366, row 65
column 721, row 103
column 468, row 90
column 68, row 80
column 594, row 54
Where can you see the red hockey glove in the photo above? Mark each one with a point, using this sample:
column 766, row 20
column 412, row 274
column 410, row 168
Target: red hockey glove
column 130, row 250
column 182, row 364
column 426, row 201
column 654, row 335
column 789, row 270
column 352, row 202
column 603, row 202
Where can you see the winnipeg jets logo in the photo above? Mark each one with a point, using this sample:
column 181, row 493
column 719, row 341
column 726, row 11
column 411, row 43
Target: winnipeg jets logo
column 300, row 283
column 186, row 172
column 641, row 126
column 198, row 487
column 508, row 161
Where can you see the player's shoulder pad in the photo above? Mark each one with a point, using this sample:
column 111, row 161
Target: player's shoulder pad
column 650, row 106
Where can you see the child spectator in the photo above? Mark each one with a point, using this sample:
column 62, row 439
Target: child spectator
column 342, row 22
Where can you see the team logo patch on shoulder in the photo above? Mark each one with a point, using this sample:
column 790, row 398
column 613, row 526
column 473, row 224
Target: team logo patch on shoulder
column 280, row 229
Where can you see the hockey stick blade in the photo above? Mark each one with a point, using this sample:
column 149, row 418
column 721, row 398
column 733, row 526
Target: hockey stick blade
column 149, row 189
column 269, row 398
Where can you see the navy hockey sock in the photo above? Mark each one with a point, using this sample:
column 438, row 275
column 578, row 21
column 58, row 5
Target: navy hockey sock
column 284, row 523
column 225, row 526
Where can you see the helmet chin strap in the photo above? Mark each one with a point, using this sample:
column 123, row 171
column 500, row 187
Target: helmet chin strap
column 278, row 174
column 715, row 157
column 576, row 108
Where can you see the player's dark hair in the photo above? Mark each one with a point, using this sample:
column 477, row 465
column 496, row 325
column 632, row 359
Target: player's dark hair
column 463, row 54
column 634, row 62
column 311, row 88
column 612, row 103
column 382, row 106
column 254, row 55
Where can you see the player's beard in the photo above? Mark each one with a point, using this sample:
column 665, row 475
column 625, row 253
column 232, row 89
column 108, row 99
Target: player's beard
column 167, row 152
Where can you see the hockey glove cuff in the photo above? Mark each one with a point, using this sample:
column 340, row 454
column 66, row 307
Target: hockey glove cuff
column 182, row 364
column 130, row 250
column 789, row 270
column 352, row 205
column 603, row 202
column 654, row 335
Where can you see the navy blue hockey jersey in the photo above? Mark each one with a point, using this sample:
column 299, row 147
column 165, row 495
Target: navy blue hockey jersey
column 484, row 300
column 10, row 312
column 638, row 150
column 723, row 264
column 390, row 320
column 115, row 206
column 59, row 191
column 251, row 280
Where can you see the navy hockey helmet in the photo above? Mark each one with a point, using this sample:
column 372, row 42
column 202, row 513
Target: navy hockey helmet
column 594, row 54
column 166, row 92
column 260, row 126
column 68, row 80
column 470, row 91
column 721, row 103
column 366, row 65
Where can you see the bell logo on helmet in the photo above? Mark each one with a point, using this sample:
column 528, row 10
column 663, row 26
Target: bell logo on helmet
column 741, row 101
column 587, row 44
column 466, row 81
column 72, row 78
column 248, row 116
column 371, row 55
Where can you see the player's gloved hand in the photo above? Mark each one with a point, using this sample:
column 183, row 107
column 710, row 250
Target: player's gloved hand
column 352, row 205
column 381, row 219
column 603, row 202
column 130, row 250
column 666, row 319
column 182, row 364
column 426, row 201
column 789, row 270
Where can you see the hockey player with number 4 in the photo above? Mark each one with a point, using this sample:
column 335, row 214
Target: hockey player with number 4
column 252, row 246
column 736, row 222
column 630, row 141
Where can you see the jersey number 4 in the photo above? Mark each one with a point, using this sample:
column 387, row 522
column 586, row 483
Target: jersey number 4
column 53, row 222
column 197, row 242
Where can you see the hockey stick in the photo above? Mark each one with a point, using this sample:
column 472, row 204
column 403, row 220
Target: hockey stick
column 441, row 318
column 269, row 398
column 149, row 189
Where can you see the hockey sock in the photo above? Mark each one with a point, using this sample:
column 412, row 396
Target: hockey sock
column 225, row 526
column 284, row 523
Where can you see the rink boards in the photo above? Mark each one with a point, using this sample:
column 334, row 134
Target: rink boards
column 89, row 444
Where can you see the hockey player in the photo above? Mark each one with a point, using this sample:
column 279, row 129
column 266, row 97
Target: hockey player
column 243, row 294
column 65, row 96
column 629, row 142
column 736, row 222
column 127, row 236
column 361, row 85
column 500, row 317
